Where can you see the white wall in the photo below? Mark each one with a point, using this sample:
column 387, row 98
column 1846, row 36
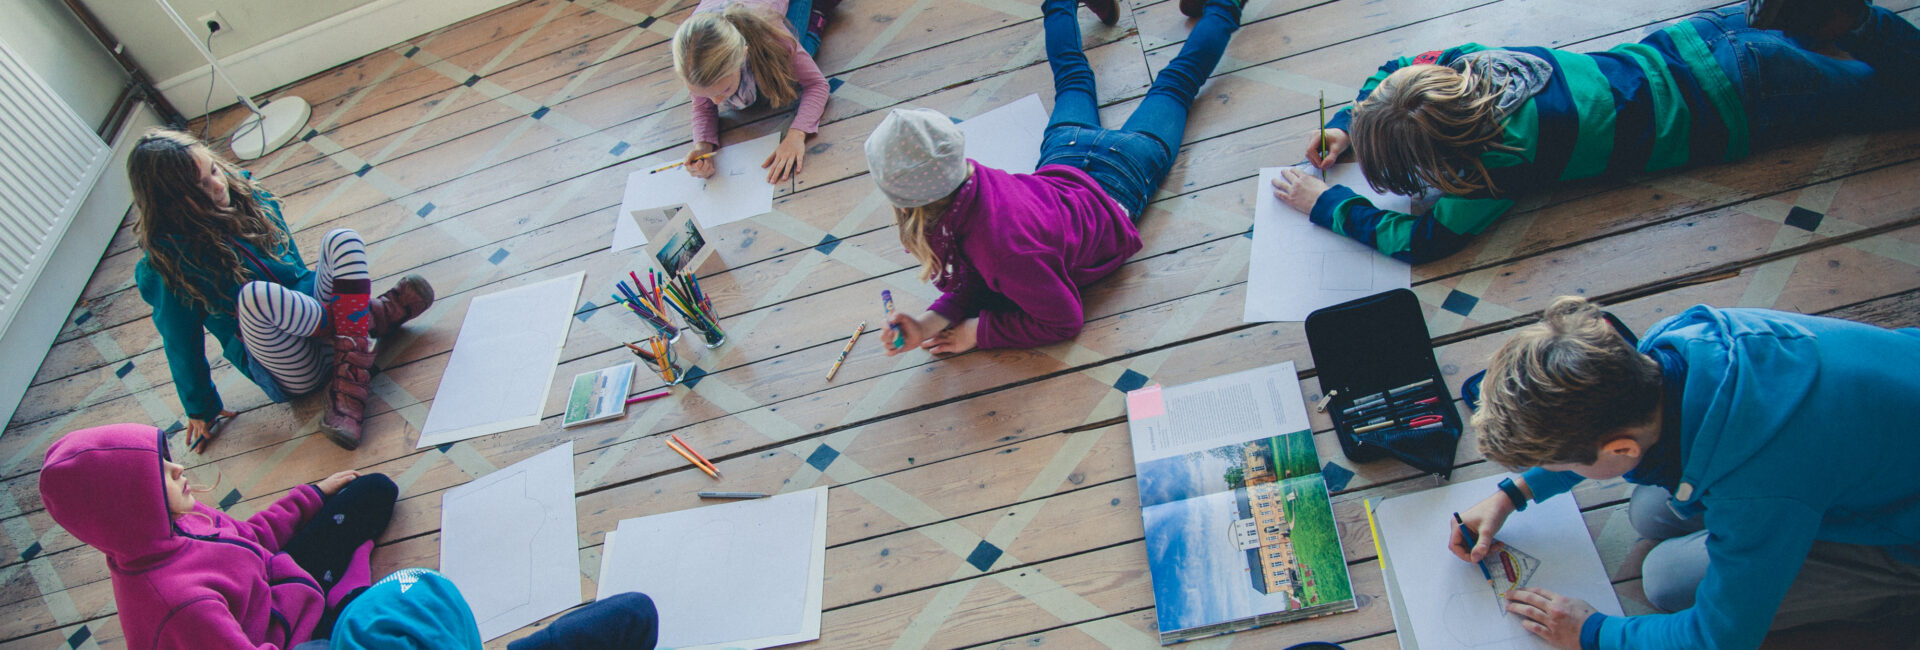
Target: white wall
column 270, row 43
column 53, row 42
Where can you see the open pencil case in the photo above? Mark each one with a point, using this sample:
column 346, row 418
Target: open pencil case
column 1386, row 396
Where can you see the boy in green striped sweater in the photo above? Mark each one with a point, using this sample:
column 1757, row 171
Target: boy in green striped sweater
column 1479, row 126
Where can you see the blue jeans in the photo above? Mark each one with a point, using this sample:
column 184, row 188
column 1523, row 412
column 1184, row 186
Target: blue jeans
column 625, row 621
column 800, row 18
column 1129, row 162
column 1793, row 93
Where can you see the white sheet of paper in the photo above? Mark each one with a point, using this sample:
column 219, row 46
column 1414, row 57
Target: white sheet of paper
column 1448, row 602
column 1297, row 267
column 508, row 541
column 503, row 361
column 737, row 190
column 1008, row 138
column 739, row 575
column 1246, row 405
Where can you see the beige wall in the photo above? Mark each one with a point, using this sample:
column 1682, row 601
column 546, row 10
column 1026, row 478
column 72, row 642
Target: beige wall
column 48, row 37
column 165, row 52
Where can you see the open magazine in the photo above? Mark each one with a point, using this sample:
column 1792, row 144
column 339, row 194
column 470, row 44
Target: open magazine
column 1240, row 529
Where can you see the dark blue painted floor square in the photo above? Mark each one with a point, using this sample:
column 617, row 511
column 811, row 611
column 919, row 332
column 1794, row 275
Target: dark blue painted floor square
column 1804, row 219
column 692, row 376
column 232, row 497
column 619, row 148
column 822, row 457
column 83, row 318
column 30, row 552
column 1459, row 302
column 827, row 245
column 1337, row 477
column 983, row 556
column 1130, row 381
column 425, row 209
column 540, row 113
column 835, row 84
column 122, row 372
column 79, row 636
column 586, row 311
column 362, row 171
column 497, row 256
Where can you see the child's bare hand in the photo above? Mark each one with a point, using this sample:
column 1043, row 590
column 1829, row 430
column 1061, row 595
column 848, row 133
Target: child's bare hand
column 953, row 340
column 1485, row 518
column 1337, row 143
column 1556, row 619
column 787, row 158
column 329, row 485
column 701, row 168
column 1298, row 190
column 200, row 432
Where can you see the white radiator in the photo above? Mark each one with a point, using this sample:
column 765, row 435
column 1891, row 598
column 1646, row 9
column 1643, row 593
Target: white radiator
column 49, row 160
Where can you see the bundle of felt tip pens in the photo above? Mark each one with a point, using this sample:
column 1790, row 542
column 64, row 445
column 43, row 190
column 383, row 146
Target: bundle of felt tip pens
column 647, row 303
column 682, row 293
column 657, row 352
column 1413, row 408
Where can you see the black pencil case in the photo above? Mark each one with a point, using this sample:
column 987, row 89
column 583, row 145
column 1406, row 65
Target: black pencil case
column 1374, row 353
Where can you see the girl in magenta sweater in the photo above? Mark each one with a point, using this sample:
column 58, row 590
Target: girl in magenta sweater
column 1011, row 252
column 186, row 575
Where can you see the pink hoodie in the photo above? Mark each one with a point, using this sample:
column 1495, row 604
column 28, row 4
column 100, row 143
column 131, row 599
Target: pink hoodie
column 181, row 582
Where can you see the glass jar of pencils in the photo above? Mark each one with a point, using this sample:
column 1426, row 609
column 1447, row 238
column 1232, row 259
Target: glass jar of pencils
column 710, row 333
column 657, row 352
column 648, row 304
column 682, row 293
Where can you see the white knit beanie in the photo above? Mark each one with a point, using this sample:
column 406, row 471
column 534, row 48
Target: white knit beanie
column 917, row 156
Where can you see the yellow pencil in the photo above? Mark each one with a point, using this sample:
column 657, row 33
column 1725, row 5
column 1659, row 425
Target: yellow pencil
column 857, row 331
column 1375, row 529
column 698, row 158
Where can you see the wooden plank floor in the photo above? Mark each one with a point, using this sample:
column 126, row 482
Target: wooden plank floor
column 982, row 500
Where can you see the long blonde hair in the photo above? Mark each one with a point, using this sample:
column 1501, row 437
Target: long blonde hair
column 711, row 45
column 914, row 224
column 1559, row 388
column 179, row 226
column 1429, row 124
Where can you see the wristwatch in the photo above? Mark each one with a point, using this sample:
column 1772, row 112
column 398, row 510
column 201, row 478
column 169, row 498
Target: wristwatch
column 1513, row 494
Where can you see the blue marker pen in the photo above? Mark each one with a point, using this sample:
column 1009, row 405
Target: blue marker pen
column 899, row 337
column 1473, row 540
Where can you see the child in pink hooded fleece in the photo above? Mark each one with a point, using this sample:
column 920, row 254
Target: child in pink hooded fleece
column 186, row 575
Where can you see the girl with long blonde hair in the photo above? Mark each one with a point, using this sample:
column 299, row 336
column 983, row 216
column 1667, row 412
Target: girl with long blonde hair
column 1479, row 126
column 743, row 53
column 221, row 260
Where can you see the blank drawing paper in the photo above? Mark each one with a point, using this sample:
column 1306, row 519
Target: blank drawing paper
column 739, row 575
column 508, row 541
column 1448, row 603
column 1008, row 138
column 503, row 362
column 737, row 190
column 1298, row 267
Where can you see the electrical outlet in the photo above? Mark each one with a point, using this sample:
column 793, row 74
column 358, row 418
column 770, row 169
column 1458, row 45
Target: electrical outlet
column 213, row 23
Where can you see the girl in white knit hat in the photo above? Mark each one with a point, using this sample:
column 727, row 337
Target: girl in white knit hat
column 1012, row 252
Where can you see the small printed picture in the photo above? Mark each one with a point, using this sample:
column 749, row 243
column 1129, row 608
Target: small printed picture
column 682, row 245
column 598, row 396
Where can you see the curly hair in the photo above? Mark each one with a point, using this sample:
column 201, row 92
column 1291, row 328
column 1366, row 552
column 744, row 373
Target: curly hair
column 1561, row 387
column 183, row 233
column 1428, row 124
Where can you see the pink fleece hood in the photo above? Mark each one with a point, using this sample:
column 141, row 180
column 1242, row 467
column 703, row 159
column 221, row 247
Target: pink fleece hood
column 105, row 486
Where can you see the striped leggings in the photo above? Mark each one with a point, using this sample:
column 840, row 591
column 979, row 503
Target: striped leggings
column 277, row 322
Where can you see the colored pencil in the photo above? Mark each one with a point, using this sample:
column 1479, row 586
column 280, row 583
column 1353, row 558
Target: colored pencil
column 733, row 495
column 696, row 455
column 696, row 464
column 899, row 336
column 1323, row 134
column 857, row 331
column 698, row 158
column 648, row 397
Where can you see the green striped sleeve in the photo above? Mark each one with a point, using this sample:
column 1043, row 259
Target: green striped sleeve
column 1672, row 121
column 1593, row 101
column 1713, row 81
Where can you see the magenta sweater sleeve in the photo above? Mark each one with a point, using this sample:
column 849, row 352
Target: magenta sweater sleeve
column 706, row 122
column 813, row 90
column 205, row 623
column 1046, row 303
column 271, row 528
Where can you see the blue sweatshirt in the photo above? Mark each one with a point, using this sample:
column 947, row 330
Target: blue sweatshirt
column 1793, row 429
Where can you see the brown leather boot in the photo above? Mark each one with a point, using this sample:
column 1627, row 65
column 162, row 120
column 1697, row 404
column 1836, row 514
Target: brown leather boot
column 407, row 299
column 347, row 393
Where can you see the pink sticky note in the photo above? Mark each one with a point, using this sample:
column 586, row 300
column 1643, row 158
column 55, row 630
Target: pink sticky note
column 1146, row 403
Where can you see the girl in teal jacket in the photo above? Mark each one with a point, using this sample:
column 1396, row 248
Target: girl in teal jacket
column 1774, row 454
column 220, row 260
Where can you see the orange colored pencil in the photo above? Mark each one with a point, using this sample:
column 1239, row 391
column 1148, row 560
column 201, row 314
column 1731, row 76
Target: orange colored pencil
column 696, row 455
column 697, row 464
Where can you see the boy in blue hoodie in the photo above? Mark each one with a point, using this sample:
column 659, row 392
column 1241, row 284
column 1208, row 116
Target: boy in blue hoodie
column 419, row 609
column 1772, row 452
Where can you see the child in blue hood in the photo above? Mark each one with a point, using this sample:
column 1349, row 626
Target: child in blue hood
column 419, row 609
column 1771, row 452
